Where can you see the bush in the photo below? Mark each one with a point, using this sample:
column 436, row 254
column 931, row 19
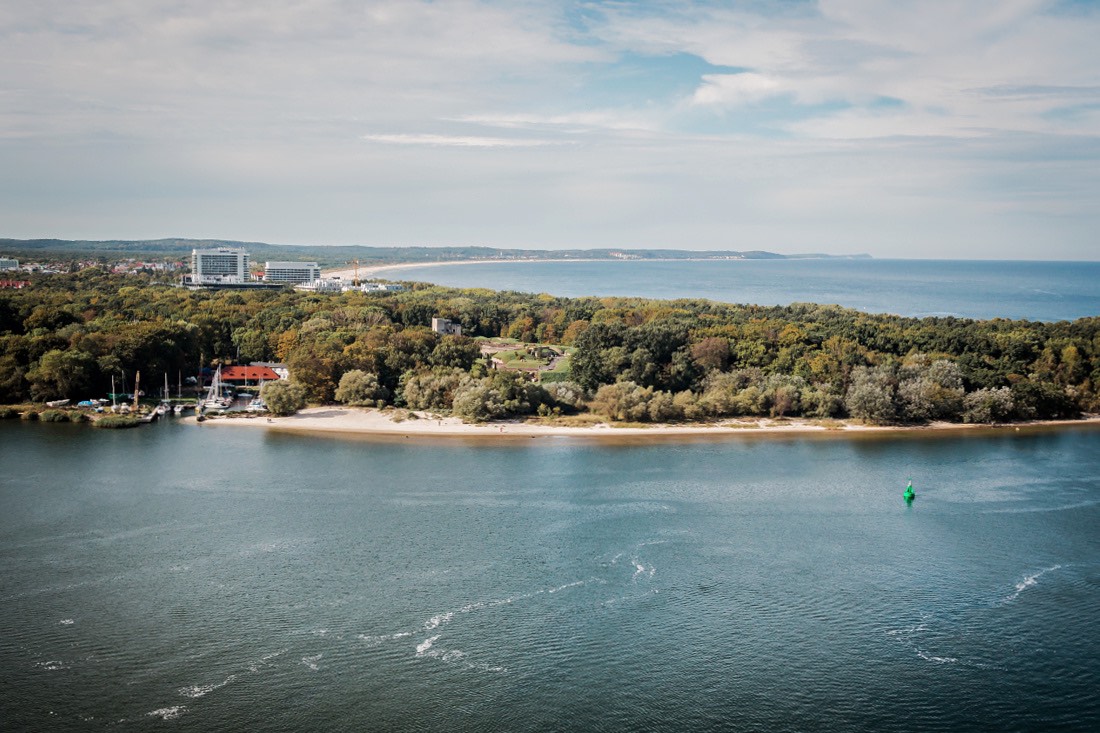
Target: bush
column 568, row 396
column 361, row 389
column 434, row 389
column 53, row 416
column 624, row 402
column 499, row 395
column 8, row 413
column 30, row 415
column 117, row 421
column 871, row 395
column 988, row 405
column 282, row 397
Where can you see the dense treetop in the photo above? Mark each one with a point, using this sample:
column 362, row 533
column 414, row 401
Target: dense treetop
column 635, row 359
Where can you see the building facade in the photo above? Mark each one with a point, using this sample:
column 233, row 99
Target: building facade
column 291, row 272
column 446, row 327
column 221, row 265
column 8, row 264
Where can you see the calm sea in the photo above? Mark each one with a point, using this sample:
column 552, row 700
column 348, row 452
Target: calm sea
column 195, row 578
column 1039, row 291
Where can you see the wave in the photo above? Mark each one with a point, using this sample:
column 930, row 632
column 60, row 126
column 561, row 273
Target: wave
column 311, row 662
column 197, row 691
column 52, row 665
column 1029, row 581
column 423, row 647
column 438, row 620
column 171, row 713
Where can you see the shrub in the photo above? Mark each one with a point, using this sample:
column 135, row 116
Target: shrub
column 359, row 388
column 988, row 405
column 434, row 389
column 31, row 415
column 499, row 395
column 282, row 397
column 8, row 413
column 569, row 396
column 871, row 395
column 116, row 421
column 622, row 401
column 53, row 416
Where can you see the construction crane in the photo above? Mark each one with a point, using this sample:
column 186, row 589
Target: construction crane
column 355, row 262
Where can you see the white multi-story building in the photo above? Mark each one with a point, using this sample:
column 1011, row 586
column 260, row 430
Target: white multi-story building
column 221, row 265
column 8, row 264
column 291, row 272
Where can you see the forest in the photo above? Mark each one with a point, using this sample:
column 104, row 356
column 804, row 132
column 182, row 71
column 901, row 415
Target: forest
column 633, row 360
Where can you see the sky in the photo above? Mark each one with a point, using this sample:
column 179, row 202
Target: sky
column 933, row 128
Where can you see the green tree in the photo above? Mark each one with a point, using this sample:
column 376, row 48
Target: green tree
column 871, row 395
column 283, row 397
column 359, row 388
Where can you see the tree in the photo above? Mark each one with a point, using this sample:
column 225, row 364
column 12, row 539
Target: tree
column 433, row 389
column 712, row 353
column 359, row 388
column 871, row 395
column 456, row 351
column 283, row 397
column 61, row 374
column 988, row 405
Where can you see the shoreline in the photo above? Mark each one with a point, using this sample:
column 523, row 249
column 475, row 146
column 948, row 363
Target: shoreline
column 370, row 271
column 373, row 423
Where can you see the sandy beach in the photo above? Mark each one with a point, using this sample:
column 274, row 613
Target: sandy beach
column 367, row 272
column 382, row 423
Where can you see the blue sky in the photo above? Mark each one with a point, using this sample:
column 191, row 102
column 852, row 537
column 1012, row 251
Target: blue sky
column 900, row 129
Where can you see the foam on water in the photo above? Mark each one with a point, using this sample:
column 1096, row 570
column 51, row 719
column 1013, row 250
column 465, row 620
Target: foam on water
column 265, row 660
column 51, row 665
column 1029, row 581
column 423, row 647
column 171, row 713
column 438, row 620
column 197, row 691
column 376, row 640
column 66, row 622
column 311, row 662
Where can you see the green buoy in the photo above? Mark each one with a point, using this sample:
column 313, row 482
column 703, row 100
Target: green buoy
column 909, row 493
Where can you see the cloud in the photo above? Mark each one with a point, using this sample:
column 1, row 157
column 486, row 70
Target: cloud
column 461, row 141
column 735, row 89
column 864, row 124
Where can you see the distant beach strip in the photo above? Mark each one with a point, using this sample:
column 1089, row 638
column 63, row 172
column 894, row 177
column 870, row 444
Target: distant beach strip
column 406, row 424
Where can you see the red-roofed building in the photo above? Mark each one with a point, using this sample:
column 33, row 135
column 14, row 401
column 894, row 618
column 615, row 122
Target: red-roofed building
column 241, row 375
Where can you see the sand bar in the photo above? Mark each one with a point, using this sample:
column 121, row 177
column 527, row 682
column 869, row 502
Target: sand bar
column 382, row 423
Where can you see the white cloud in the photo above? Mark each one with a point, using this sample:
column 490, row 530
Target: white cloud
column 733, row 89
column 461, row 141
column 843, row 124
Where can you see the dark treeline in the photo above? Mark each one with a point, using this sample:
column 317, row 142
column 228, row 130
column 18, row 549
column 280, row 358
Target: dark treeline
column 635, row 359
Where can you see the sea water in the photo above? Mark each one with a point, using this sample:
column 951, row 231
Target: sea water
column 1042, row 291
column 198, row 578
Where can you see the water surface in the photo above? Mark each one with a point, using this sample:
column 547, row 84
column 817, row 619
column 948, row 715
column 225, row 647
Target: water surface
column 195, row 578
column 1042, row 291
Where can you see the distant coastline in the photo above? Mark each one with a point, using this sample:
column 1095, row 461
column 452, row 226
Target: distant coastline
column 373, row 271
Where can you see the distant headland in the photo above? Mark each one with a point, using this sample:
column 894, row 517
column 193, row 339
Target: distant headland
column 337, row 255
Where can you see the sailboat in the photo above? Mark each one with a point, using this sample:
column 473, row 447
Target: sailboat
column 214, row 401
column 257, row 404
column 909, row 494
